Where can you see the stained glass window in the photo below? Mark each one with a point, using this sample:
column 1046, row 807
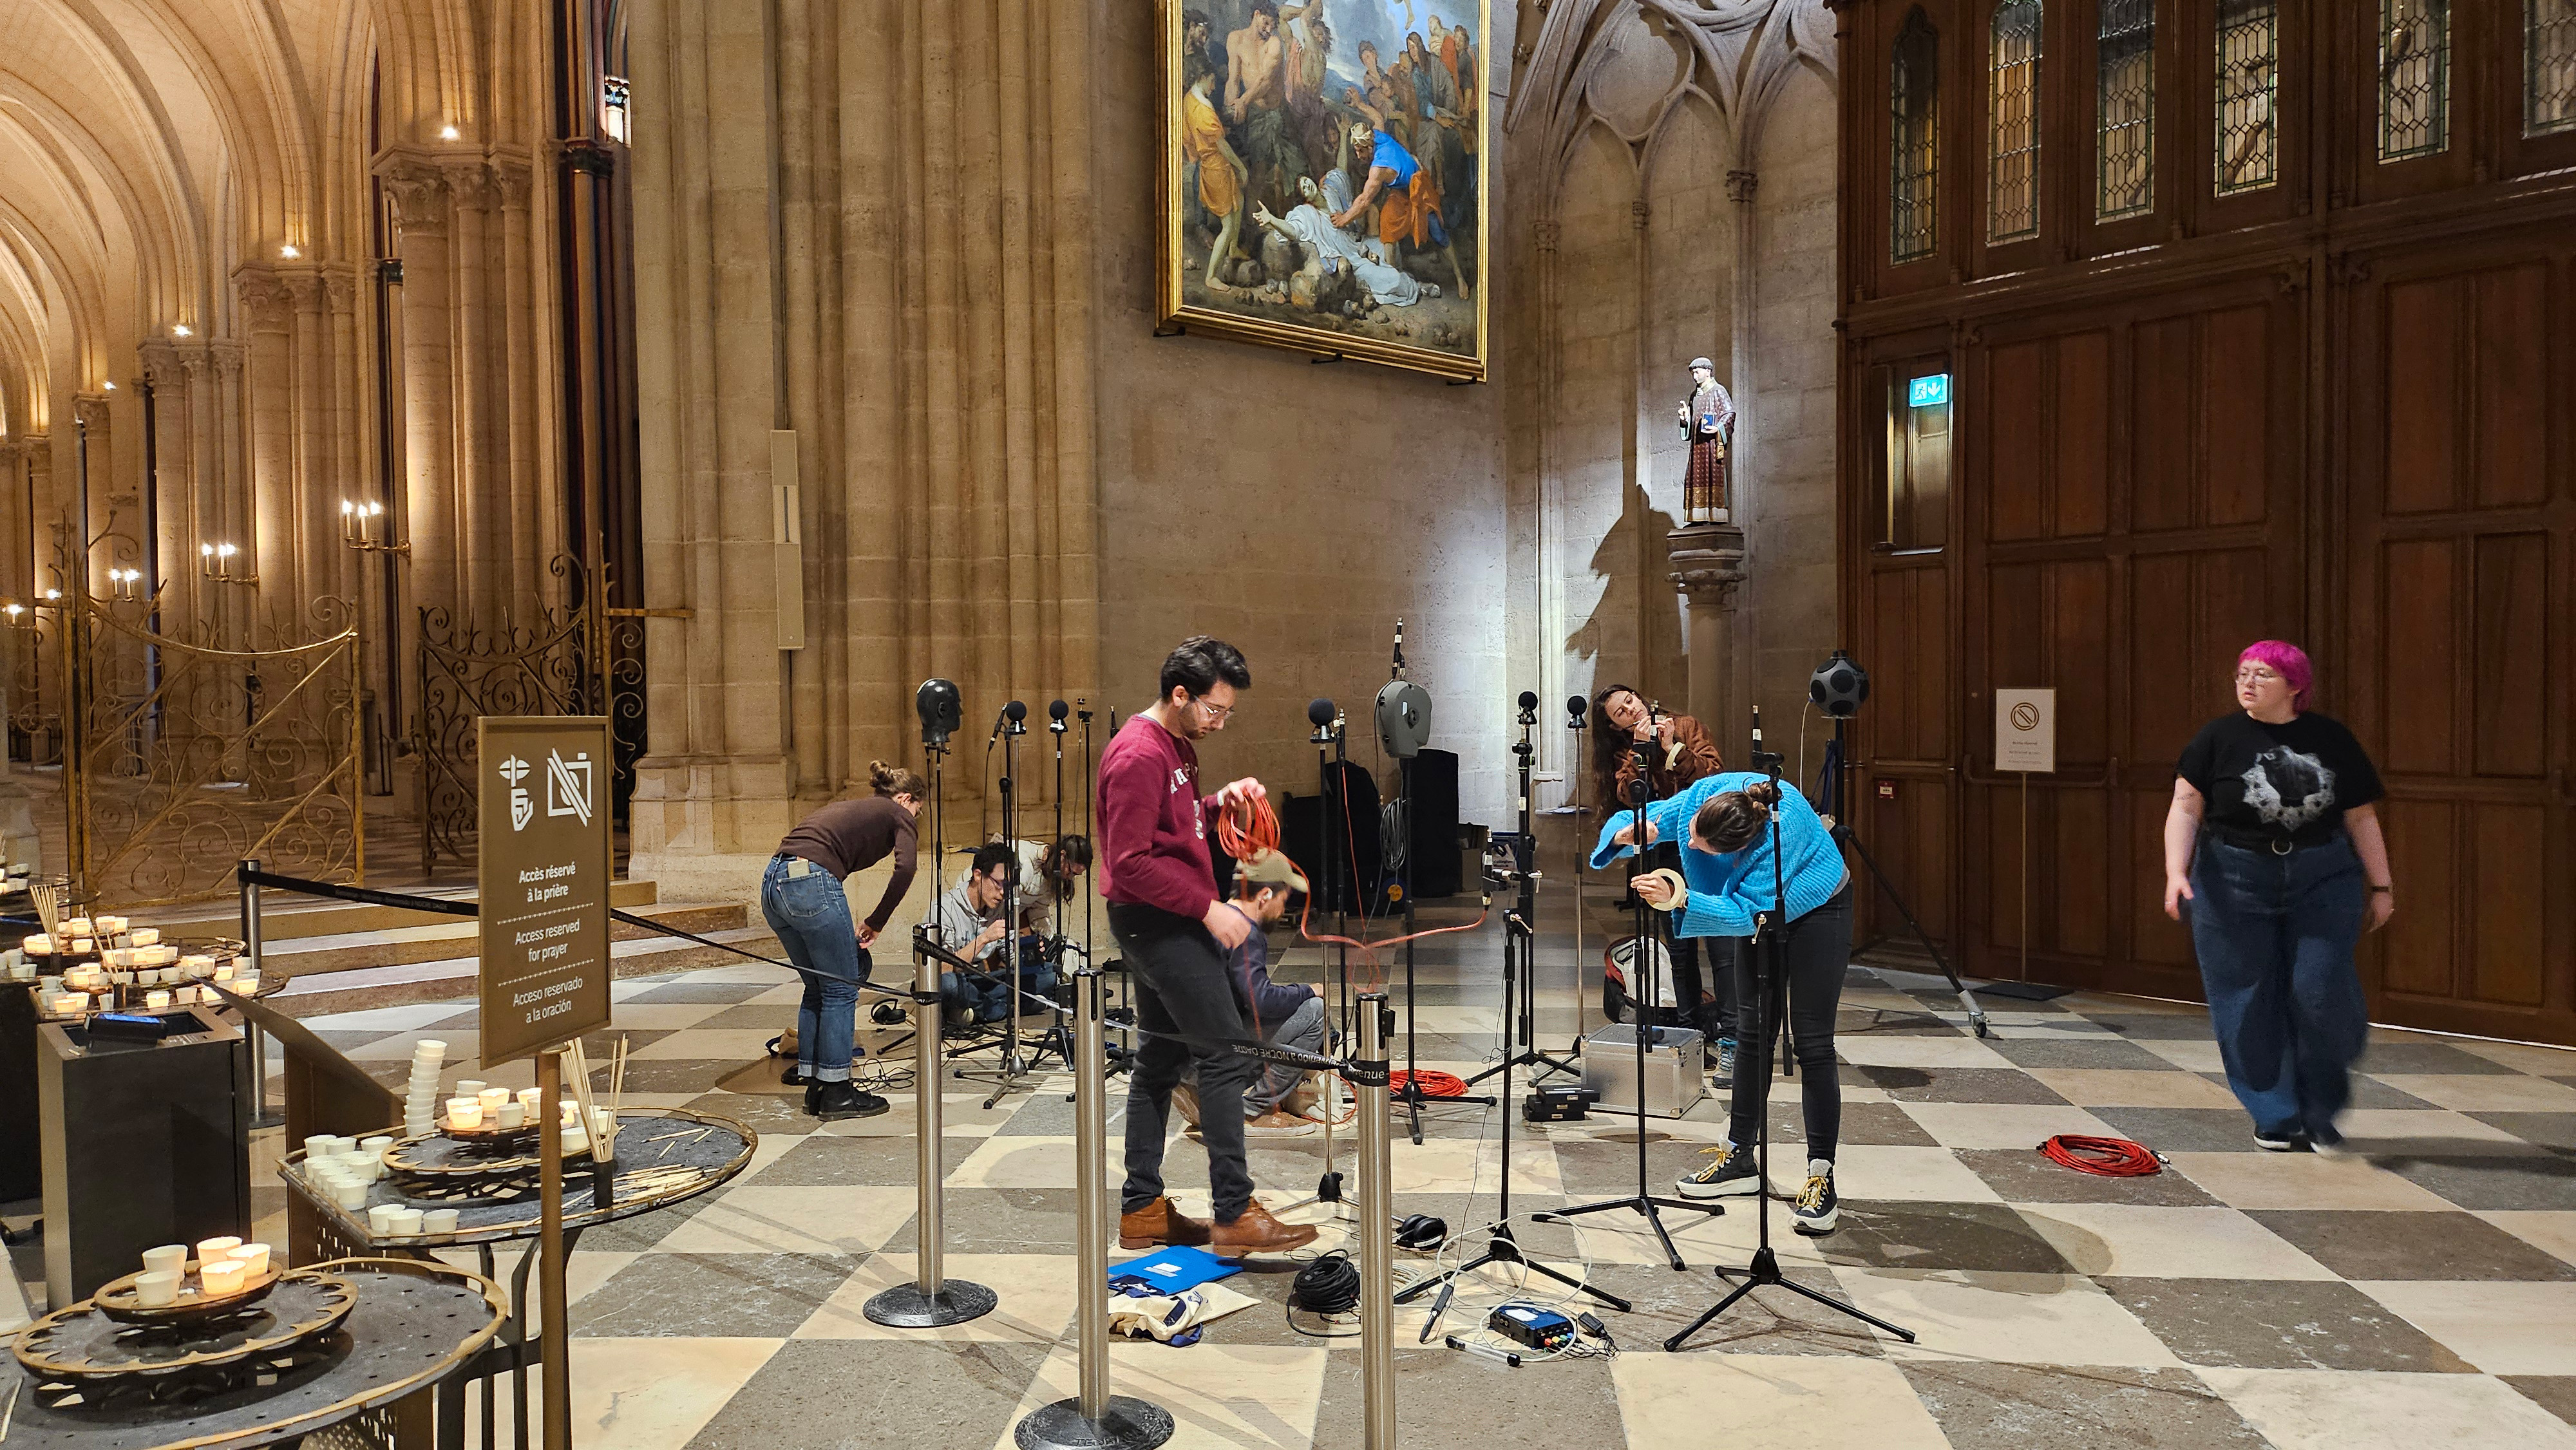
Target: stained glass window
column 2249, row 55
column 2414, row 78
column 2549, row 67
column 2012, row 176
column 1915, row 92
column 2126, row 137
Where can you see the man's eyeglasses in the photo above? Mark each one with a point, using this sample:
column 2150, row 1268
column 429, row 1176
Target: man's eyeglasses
column 1216, row 715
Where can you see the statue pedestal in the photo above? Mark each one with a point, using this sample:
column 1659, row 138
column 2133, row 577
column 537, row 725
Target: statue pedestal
column 1708, row 568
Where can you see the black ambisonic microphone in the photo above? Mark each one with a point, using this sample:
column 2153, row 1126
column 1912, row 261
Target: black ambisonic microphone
column 1319, row 712
column 1009, row 720
column 1529, row 707
column 1578, row 711
column 1056, row 711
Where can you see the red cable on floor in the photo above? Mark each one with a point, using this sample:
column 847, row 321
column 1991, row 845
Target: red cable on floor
column 1435, row 1084
column 2103, row 1157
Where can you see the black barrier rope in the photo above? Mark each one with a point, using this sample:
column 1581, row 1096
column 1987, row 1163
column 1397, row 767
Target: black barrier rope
column 1358, row 1073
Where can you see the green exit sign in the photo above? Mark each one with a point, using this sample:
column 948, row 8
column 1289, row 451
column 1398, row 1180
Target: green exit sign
column 1929, row 392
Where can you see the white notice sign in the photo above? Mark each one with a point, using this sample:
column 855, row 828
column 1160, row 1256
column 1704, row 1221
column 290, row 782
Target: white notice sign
column 2026, row 731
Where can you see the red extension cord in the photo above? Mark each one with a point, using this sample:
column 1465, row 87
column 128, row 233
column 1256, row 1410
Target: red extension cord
column 2103, row 1157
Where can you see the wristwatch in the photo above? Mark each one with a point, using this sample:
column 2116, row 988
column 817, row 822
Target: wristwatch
column 2388, row 890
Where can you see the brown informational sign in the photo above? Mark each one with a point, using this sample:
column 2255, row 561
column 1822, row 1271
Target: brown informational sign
column 544, row 877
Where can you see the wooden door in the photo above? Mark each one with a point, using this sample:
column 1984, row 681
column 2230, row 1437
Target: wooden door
column 2133, row 521
column 2461, row 545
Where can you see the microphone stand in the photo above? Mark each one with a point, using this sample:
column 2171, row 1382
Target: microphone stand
column 1006, row 1074
column 1520, row 954
column 1770, row 992
column 1329, row 735
column 1518, row 940
column 1643, row 976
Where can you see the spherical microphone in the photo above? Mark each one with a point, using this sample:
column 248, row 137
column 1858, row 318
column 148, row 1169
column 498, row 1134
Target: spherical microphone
column 1057, row 709
column 1529, row 699
column 1016, row 711
column 1319, row 712
column 1577, row 707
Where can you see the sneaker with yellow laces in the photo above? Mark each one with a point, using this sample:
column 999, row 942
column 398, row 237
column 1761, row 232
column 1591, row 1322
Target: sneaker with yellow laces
column 1731, row 1174
column 1817, row 1210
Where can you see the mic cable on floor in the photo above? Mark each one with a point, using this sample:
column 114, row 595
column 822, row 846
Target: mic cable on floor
column 2102, row 1157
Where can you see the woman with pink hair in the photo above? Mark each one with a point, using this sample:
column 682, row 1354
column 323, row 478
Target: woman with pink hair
column 2273, row 842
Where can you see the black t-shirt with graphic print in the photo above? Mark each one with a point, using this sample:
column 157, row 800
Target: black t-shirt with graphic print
column 2272, row 782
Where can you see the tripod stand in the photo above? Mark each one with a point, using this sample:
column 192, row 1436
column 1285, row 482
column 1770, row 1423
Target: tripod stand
column 1835, row 779
column 1519, row 959
column 1643, row 977
column 1006, row 1075
column 1521, row 874
column 1770, row 989
column 1331, row 735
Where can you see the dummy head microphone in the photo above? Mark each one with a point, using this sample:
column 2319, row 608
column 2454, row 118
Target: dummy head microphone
column 941, row 709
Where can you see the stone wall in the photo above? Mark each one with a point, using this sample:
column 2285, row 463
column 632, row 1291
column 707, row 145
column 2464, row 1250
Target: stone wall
column 1292, row 508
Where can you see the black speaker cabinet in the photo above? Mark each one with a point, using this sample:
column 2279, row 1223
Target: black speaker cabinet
column 145, row 1143
column 1343, row 861
column 19, row 1140
column 1434, row 837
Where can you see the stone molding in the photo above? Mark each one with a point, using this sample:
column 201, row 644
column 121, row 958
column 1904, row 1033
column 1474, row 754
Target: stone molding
column 1708, row 563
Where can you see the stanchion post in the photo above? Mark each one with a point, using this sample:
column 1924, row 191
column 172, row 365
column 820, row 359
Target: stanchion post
column 252, row 1037
column 1094, row 1419
column 1377, row 1251
column 931, row 1300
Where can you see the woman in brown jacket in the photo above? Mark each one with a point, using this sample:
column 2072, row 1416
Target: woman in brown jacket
column 1680, row 751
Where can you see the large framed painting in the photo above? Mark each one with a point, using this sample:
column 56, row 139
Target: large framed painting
column 1324, row 170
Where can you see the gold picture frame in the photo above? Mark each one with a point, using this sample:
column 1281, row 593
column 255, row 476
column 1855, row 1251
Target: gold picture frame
column 1262, row 98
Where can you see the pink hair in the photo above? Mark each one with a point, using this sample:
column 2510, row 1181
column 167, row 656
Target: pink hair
column 2286, row 660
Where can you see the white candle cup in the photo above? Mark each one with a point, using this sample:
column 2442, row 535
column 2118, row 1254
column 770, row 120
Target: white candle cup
column 39, row 942
column 157, row 1290
column 574, row 1142
column 438, row 1221
column 380, row 1215
column 110, row 925
column 22, row 971
column 530, row 1098
column 216, row 1248
column 145, row 936
column 155, row 1001
column 246, row 984
column 471, row 1087
column 375, row 1145
column 223, row 972
column 428, row 1047
column 323, row 1145
column 464, row 1113
column 117, row 957
column 77, row 926
column 84, row 946
column 404, row 1222
column 350, row 1194
column 512, row 1115
column 492, row 1098
column 220, row 1278
column 167, row 1259
column 253, row 1258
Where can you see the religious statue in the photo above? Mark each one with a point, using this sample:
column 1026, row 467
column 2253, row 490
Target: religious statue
column 1708, row 420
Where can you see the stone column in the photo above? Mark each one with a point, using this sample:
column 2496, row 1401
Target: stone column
column 481, row 481
column 321, row 477
column 1708, row 568
column 533, row 524
column 428, row 501
column 267, row 537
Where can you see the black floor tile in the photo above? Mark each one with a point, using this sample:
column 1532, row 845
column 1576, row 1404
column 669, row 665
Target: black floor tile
column 1958, row 1085
column 2280, row 1324
column 1966, row 1237
column 2024, row 1176
column 841, row 1394
column 2489, row 1180
column 2040, row 1407
column 762, row 1296
column 2451, row 1246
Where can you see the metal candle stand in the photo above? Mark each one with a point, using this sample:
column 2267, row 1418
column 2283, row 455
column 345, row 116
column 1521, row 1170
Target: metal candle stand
column 1096, row 1419
column 931, row 1300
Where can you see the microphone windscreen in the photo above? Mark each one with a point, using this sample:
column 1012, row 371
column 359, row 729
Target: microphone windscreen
column 1529, row 699
column 1319, row 712
column 1016, row 710
column 1577, row 705
column 1057, row 709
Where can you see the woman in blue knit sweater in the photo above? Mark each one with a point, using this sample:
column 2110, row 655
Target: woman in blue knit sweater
column 1731, row 879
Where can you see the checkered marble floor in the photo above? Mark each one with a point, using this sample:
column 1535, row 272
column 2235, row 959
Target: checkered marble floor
column 2421, row 1292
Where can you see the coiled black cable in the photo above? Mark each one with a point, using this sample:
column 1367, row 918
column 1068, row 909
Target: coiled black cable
column 1330, row 1285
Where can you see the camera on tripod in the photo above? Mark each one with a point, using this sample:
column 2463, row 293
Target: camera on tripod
column 1507, row 860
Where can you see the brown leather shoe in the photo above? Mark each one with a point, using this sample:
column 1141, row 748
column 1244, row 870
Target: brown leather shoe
column 1185, row 1101
column 1277, row 1124
column 1159, row 1223
column 1256, row 1232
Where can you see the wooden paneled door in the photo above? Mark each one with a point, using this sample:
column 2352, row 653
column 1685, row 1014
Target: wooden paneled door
column 2461, row 646
column 2131, row 521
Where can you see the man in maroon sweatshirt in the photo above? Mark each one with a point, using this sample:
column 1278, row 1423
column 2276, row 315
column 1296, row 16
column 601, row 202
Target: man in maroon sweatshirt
column 1156, row 874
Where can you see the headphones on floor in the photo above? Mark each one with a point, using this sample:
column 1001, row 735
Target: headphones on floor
column 1420, row 1232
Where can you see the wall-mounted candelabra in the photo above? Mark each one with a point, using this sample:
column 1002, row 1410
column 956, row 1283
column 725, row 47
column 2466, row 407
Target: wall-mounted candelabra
column 363, row 527
column 215, row 562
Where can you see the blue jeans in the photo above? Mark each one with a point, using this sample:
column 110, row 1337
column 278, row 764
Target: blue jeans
column 811, row 915
column 988, row 998
column 2275, row 935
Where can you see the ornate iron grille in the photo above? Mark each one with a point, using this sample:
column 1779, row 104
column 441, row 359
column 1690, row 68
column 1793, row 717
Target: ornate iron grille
column 1915, row 94
column 2012, row 172
column 2249, row 55
column 2549, row 67
column 2414, row 78
column 2125, row 119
